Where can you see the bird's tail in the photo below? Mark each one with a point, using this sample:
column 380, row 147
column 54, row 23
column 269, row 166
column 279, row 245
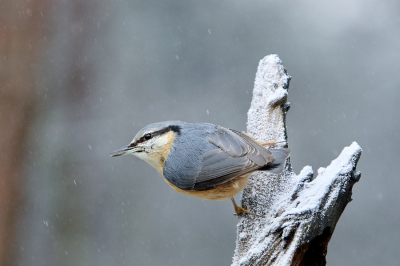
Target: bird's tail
column 280, row 160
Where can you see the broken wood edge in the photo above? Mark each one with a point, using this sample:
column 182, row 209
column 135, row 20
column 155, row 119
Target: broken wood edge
column 302, row 223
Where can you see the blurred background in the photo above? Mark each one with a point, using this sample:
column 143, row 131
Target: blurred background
column 79, row 78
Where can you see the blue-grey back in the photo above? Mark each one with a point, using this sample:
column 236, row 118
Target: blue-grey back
column 185, row 160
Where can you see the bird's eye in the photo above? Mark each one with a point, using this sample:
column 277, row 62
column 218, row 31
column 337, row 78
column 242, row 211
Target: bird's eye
column 147, row 136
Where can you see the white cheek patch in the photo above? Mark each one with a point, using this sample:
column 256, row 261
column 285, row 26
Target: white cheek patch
column 147, row 158
column 159, row 142
column 153, row 150
column 141, row 155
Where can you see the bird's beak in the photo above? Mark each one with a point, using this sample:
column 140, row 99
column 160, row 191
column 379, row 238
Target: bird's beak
column 126, row 150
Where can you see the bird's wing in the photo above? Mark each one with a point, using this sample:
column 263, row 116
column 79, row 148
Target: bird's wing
column 234, row 155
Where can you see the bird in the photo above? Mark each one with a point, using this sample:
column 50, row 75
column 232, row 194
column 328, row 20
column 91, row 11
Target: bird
column 204, row 160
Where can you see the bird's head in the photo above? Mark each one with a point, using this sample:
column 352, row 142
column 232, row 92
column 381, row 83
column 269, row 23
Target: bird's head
column 152, row 143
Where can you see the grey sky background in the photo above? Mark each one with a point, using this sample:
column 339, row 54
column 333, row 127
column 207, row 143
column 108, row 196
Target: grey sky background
column 112, row 67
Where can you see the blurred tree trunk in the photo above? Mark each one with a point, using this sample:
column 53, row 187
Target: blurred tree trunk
column 20, row 38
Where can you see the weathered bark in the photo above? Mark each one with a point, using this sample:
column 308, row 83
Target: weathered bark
column 21, row 22
column 295, row 215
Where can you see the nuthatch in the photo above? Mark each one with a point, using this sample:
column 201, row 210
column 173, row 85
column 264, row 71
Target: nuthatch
column 203, row 160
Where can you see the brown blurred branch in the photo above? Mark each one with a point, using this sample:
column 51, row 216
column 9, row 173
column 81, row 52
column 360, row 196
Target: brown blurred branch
column 295, row 214
column 20, row 38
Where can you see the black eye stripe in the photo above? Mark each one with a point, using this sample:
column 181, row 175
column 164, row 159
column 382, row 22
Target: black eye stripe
column 176, row 129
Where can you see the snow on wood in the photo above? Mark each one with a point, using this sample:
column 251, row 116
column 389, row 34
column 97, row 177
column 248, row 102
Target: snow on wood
column 294, row 215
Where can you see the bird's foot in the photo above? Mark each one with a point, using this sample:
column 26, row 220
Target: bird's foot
column 267, row 143
column 264, row 143
column 239, row 210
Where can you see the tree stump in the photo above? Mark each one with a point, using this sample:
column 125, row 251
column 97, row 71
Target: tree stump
column 294, row 215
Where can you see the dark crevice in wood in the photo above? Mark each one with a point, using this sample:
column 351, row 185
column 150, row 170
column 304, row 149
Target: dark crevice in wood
column 314, row 252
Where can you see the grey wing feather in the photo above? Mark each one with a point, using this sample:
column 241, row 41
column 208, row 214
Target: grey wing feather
column 235, row 155
column 229, row 142
column 280, row 161
column 217, row 163
column 220, row 167
column 280, row 154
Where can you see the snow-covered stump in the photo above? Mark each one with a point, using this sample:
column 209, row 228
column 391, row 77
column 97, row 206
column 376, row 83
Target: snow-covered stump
column 295, row 215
